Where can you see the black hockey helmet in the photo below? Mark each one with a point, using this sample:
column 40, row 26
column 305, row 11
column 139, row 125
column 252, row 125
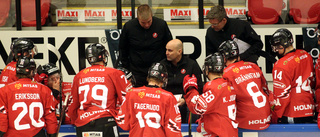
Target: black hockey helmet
column 21, row 45
column 48, row 69
column 96, row 52
column 229, row 49
column 128, row 74
column 25, row 66
column 281, row 37
column 159, row 71
column 214, row 63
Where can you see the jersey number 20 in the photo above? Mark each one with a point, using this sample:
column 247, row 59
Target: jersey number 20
column 24, row 111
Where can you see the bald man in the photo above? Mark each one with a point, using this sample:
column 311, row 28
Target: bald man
column 178, row 66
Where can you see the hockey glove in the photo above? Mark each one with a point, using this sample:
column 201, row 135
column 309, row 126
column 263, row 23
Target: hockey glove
column 189, row 82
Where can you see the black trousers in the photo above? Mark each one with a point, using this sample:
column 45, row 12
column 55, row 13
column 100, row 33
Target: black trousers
column 184, row 111
column 41, row 133
column 105, row 126
column 298, row 120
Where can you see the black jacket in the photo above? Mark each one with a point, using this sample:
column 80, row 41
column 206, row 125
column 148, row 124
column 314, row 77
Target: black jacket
column 140, row 47
column 239, row 29
column 176, row 74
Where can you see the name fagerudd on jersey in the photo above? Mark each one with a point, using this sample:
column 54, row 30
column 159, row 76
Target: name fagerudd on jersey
column 146, row 106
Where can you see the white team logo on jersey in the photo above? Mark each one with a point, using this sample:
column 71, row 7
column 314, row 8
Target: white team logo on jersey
column 5, row 79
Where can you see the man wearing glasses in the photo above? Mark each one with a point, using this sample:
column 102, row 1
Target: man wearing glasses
column 223, row 28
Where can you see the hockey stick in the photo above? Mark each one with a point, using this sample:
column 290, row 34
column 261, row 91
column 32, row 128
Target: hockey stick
column 65, row 103
column 189, row 124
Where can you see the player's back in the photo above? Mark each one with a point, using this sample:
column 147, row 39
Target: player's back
column 295, row 71
column 253, row 108
column 8, row 74
column 154, row 113
column 95, row 91
column 30, row 108
column 221, row 108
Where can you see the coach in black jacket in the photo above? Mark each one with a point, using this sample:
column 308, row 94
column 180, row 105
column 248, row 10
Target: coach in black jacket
column 178, row 66
column 223, row 28
column 142, row 42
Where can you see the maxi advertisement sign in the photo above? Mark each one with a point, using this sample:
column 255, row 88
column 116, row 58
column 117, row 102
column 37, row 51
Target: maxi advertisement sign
column 70, row 46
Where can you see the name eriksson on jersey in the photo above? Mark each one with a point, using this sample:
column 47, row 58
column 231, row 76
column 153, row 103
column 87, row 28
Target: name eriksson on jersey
column 19, row 96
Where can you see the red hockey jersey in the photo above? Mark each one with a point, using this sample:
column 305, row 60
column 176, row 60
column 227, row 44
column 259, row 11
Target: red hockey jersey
column 216, row 105
column 25, row 108
column 150, row 112
column 253, row 106
column 8, row 74
column 95, row 92
column 66, row 89
column 292, row 81
column 317, row 84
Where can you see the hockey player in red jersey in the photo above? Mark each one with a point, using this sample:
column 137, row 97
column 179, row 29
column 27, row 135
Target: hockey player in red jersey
column 217, row 103
column 317, row 71
column 293, row 76
column 26, row 107
column 20, row 47
column 151, row 111
column 253, row 106
column 95, row 92
column 52, row 79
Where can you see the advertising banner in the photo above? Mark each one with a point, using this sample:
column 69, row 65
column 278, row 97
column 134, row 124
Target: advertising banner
column 192, row 14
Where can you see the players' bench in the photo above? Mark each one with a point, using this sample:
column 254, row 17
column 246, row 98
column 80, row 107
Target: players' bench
column 274, row 130
column 281, row 130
